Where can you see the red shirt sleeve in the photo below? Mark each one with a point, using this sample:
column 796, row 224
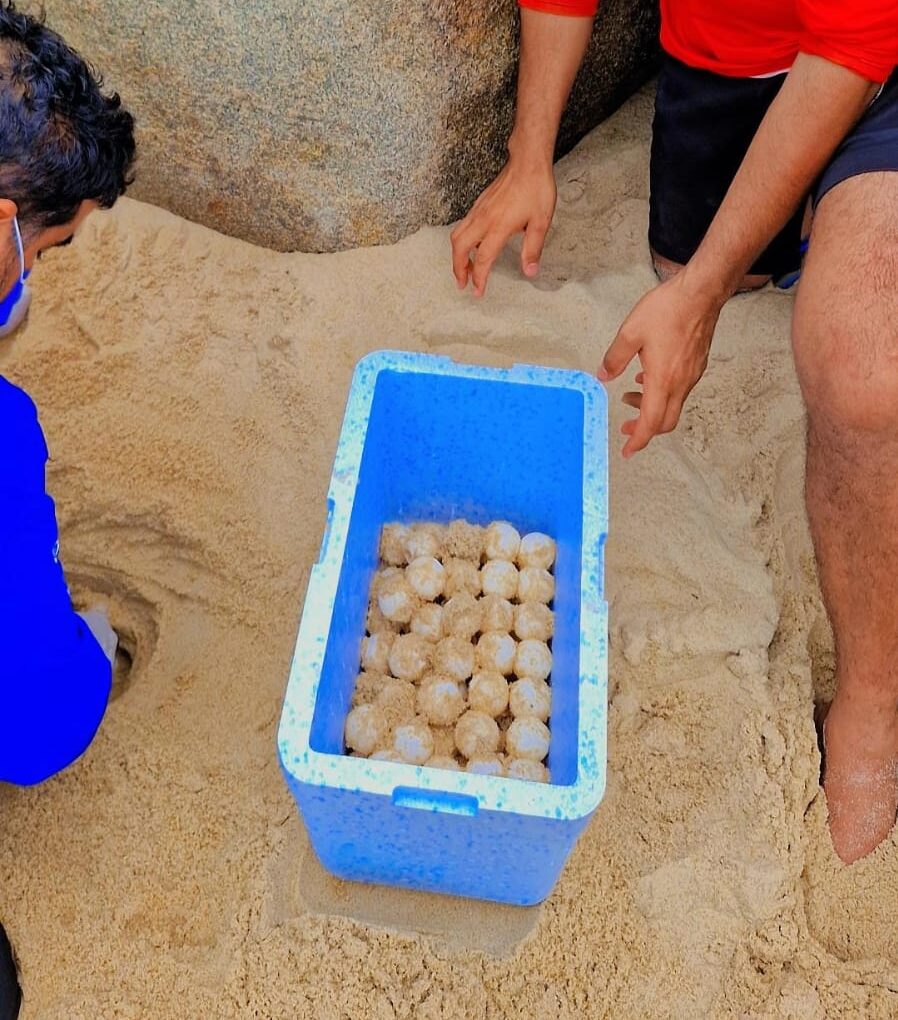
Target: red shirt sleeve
column 861, row 35
column 572, row 8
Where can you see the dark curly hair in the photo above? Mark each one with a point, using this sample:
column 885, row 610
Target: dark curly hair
column 62, row 140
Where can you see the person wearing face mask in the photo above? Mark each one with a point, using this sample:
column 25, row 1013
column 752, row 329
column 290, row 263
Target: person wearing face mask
column 66, row 149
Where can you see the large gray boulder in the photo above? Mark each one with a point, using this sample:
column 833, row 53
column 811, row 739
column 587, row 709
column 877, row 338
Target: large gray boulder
column 324, row 124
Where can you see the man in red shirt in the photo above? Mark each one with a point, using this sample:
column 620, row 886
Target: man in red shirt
column 764, row 108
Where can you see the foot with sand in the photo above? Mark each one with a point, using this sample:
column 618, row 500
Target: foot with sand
column 859, row 775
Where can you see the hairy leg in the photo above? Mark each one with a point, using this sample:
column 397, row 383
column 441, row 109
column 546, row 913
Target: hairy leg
column 845, row 342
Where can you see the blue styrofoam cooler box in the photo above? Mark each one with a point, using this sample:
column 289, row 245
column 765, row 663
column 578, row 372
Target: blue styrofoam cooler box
column 425, row 438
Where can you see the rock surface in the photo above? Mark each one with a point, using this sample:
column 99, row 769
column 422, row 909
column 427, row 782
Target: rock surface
column 325, row 125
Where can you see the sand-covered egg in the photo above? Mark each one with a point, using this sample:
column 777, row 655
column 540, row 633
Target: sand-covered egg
column 443, row 740
column 410, row 656
column 440, row 699
column 461, row 576
column 396, row 599
column 413, row 742
column 393, row 549
column 529, row 696
column 385, row 754
column 535, row 585
column 537, row 550
column 524, row 768
column 486, row 765
column 501, row 541
column 426, row 577
column 528, row 738
column 476, row 734
column 456, row 613
column 532, row 659
column 488, row 692
column 462, row 615
column 427, row 620
column 533, row 621
column 496, row 653
column 464, row 541
column 396, row 699
column 497, row 613
column 384, row 574
column 454, row 656
column 376, row 651
column 424, row 540
column 376, row 622
column 499, row 577
column 367, row 687
column 365, row 729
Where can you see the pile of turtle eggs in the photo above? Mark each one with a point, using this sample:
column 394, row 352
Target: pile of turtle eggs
column 456, row 661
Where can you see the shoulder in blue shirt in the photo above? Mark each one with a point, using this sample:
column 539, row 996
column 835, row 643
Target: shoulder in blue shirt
column 54, row 677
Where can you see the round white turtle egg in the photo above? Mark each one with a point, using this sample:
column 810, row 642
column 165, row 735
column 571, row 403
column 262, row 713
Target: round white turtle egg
column 502, row 541
column 365, row 729
column 440, row 699
column 529, row 696
column 536, row 550
column 413, row 742
column 396, row 599
column 533, row 659
column 499, row 577
column 528, row 738
column 476, row 734
column 426, row 577
column 496, row 653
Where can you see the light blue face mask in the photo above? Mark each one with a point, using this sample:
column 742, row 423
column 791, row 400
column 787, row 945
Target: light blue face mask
column 14, row 307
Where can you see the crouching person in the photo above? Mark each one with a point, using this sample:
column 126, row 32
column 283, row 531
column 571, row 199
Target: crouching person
column 66, row 149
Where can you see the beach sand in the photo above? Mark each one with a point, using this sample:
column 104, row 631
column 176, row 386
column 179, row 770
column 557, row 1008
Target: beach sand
column 191, row 387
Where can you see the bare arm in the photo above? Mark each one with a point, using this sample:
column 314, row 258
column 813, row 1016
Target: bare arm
column 522, row 197
column 672, row 326
column 552, row 50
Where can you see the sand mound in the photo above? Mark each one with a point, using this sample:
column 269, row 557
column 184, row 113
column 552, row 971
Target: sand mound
column 191, row 387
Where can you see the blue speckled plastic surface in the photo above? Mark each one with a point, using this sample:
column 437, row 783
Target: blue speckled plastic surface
column 426, row 438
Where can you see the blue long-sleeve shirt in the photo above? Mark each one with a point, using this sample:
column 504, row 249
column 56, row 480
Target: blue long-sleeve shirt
column 54, row 676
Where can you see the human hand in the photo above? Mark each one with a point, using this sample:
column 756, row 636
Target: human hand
column 98, row 624
column 521, row 198
column 670, row 330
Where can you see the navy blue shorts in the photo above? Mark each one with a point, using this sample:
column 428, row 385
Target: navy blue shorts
column 703, row 126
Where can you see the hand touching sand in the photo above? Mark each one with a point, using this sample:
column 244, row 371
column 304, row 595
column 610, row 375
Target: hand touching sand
column 98, row 624
column 520, row 200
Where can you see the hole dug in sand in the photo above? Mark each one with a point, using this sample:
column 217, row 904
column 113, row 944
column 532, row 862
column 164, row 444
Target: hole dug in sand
column 122, row 667
column 132, row 617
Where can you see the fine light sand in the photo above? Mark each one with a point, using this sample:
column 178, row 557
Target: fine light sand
column 191, row 387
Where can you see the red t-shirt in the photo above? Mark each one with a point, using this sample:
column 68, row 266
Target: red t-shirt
column 747, row 38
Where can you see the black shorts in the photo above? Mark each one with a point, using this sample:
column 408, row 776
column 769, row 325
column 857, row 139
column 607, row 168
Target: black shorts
column 703, row 126
column 10, row 994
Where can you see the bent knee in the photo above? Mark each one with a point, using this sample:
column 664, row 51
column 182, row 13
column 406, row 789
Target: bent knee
column 848, row 382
